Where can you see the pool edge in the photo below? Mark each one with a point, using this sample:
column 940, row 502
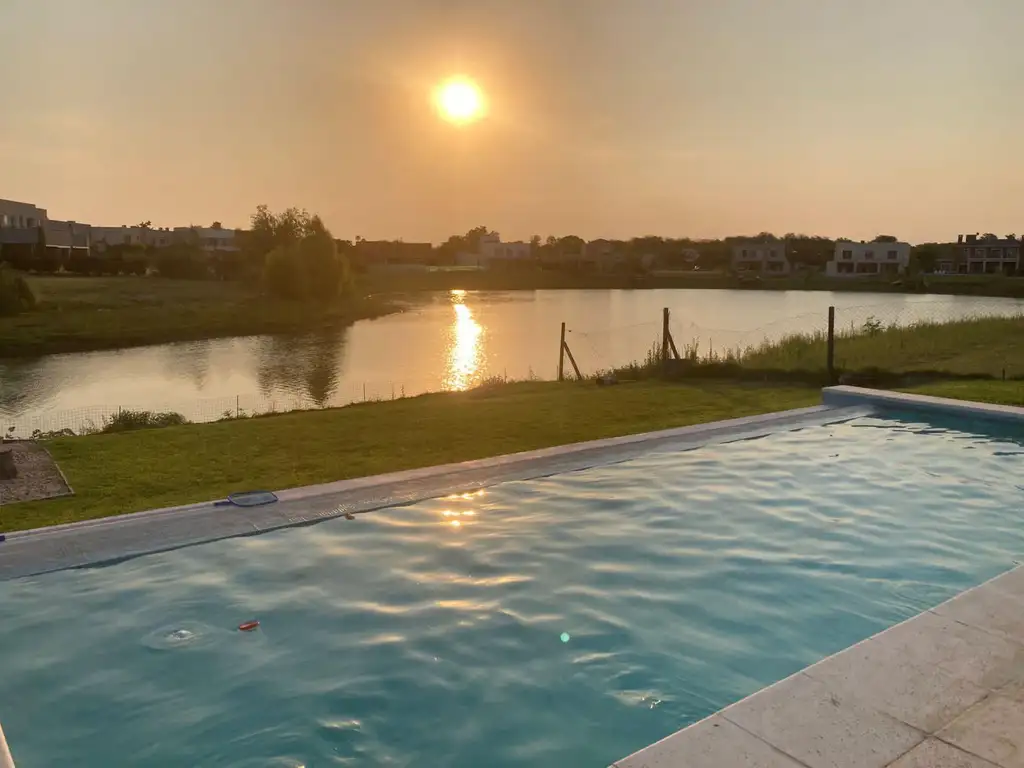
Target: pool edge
column 6, row 760
column 809, row 713
column 92, row 542
column 846, row 396
column 764, row 729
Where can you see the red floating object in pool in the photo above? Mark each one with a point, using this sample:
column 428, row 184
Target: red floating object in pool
column 248, row 626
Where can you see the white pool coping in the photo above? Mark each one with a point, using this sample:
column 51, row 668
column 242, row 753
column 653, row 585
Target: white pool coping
column 89, row 542
column 944, row 689
column 840, row 397
column 6, row 761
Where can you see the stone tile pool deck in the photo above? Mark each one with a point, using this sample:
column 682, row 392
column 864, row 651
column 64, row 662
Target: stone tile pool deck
column 944, row 689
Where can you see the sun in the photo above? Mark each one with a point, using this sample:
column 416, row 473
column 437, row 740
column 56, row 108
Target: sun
column 459, row 100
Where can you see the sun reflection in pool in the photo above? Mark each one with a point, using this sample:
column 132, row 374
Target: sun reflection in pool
column 464, row 348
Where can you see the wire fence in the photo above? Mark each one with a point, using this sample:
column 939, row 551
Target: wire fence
column 918, row 338
column 875, row 342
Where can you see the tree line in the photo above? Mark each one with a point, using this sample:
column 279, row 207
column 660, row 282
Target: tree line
column 291, row 254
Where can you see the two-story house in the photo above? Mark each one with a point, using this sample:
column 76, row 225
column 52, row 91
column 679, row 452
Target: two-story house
column 492, row 252
column 877, row 258
column 988, row 254
column 761, row 258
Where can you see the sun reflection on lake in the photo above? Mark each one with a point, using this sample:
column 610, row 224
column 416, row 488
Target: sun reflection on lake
column 464, row 346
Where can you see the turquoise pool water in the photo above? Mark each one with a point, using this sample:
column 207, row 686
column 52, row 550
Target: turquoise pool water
column 559, row 622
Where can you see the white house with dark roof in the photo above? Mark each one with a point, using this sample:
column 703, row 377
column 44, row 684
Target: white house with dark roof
column 874, row 259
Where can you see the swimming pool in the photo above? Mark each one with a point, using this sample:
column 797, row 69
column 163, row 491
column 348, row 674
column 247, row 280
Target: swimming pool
column 563, row 621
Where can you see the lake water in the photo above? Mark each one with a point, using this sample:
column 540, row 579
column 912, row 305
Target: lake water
column 449, row 341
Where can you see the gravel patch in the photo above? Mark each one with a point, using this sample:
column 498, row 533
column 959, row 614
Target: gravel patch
column 38, row 475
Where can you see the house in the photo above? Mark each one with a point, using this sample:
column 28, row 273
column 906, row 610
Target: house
column 491, row 253
column 761, row 258
column 68, row 237
column 211, row 239
column 874, row 259
column 139, row 237
column 15, row 215
column 390, row 254
column 988, row 254
column 601, row 255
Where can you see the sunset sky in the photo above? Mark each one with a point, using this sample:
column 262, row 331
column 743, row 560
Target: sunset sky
column 606, row 118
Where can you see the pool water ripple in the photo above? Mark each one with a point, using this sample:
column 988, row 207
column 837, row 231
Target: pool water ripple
column 563, row 621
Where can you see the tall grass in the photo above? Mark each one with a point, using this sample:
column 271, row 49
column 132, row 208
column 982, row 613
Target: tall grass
column 988, row 347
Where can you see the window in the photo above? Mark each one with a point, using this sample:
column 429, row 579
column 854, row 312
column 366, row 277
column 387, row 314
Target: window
column 771, row 254
column 995, row 253
column 743, row 253
column 869, row 255
column 891, row 255
column 1011, row 253
column 847, row 255
column 31, row 222
column 979, row 253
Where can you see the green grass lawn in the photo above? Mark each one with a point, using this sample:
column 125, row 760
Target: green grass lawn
column 85, row 313
column 998, row 392
column 128, row 472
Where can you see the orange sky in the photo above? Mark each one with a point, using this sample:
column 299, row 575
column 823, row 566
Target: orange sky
column 607, row 118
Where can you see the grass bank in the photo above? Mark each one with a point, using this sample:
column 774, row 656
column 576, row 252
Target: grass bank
column 871, row 355
column 77, row 314
column 998, row 392
column 969, row 348
column 132, row 471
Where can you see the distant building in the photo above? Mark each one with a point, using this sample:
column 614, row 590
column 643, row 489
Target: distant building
column 137, row 237
column 852, row 259
column 989, row 254
column 15, row 215
column 603, row 255
column 391, row 254
column 210, row 239
column 761, row 258
column 492, row 253
column 68, row 237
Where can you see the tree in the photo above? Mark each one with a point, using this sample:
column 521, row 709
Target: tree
column 304, row 262
column 216, row 225
column 925, row 257
column 182, row 262
column 885, row 239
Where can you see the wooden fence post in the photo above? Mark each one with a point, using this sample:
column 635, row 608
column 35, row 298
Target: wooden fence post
column 664, row 335
column 830, row 361
column 561, row 355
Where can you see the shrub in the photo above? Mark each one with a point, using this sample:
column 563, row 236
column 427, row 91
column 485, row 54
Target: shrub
column 183, row 262
column 15, row 294
column 128, row 420
column 308, row 269
column 284, row 275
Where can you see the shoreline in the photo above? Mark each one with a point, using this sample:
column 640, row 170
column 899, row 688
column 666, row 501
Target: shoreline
column 993, row 286
column 65, row 324
column 54, row 333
